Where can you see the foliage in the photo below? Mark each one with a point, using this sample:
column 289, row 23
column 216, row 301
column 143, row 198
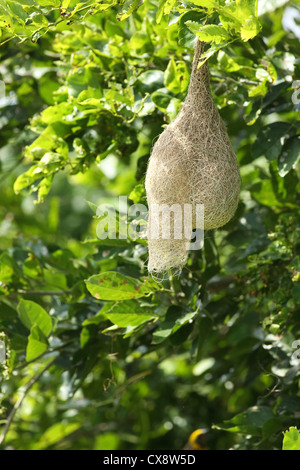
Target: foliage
column 98, row 354
column 291, row 440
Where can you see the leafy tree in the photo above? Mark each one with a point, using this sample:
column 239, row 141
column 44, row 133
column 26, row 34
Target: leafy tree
column 98, row 354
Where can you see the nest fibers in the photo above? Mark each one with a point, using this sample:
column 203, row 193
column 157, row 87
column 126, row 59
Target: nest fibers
column 192, row 163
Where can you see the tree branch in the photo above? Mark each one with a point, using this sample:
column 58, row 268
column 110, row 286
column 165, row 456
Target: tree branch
column 21, row 398
column 43, row 292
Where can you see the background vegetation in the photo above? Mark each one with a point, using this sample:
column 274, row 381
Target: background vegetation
column 128, row 362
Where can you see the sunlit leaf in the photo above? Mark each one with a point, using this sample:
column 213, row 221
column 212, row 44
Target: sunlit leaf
column 291, row 439
column 116, row 286
column 31, row 313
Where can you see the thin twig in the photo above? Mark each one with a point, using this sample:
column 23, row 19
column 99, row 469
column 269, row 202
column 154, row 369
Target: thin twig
column 173, row 288
column 139, row 376
column 48, row 351
column 43, row 292
column 21, row 398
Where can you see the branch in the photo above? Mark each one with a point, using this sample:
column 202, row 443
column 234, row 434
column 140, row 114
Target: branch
column 43, row 292
column 21, row 398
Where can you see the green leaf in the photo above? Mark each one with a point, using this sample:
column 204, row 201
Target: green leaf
column 253, row 5
column 161, row 100
column 32, row 267
column 100, row 317
column 112, row 29
column 54, row 434
column 93, row 206
column 164, row 8
column 48, row 3
column 107, row 441
column 31, row 313
column 186, row 38
column 209, row 33
column 6, row 268
column 175, row 319
column 115, row 286
column 249, row 422
column 206, row 3
column 203, row 366
column 276, row 191
column 59, row 112
column 151, row 80
column 6, row 18
column 128, row 307
column 130, row 320
column 55, row 280
column 173, row 108
column 138, row 40
column 160, row 11
column 168, row 5
column 250, row 28
column 176, row 76
column 268, row 142
column 291, row 439
column 212, row 50
column 241, row 16
column 17, row 10
column 37, row 343
column 129, row 7
column 96, row 8
column 170, row 75
column 290, row 155
column 259, row 90
column 65, row 3
column 26, row 179
column 44, row 187
column 137, row 194
column 128, row 313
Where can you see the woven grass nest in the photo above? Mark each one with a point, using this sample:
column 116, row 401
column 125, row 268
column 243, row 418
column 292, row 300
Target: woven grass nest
column 192, row 162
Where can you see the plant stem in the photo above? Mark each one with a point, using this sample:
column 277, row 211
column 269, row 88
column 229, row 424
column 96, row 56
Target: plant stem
column 43, row 292
column 173, row 288
column 21, row 398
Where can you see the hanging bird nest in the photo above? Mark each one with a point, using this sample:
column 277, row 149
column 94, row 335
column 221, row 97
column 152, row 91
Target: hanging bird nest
column 192, row 163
